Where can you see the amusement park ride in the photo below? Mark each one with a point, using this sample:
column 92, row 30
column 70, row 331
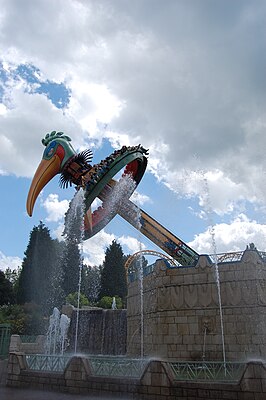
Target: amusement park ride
column 98, row 181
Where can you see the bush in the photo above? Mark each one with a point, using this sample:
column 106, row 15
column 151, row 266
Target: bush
column 24, row 320
column 72, row 299
column 107, row 301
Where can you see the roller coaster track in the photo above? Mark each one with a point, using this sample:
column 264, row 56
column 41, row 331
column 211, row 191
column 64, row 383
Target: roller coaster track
column 149, row 253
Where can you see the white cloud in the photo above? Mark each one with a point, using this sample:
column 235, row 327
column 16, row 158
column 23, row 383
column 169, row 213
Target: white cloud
column 181, row 80
column 231, row 237
column 28, row 118
column 140, row 198
column 9, row 262
column 90, row 104
column 130, row 244
column 94, row 248
column 57, row 233
column 55, row 209
column 3, row 109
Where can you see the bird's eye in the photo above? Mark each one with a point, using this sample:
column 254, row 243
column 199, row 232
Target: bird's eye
column 50, row 150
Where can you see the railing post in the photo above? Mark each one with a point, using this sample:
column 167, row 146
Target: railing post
column 5, row 333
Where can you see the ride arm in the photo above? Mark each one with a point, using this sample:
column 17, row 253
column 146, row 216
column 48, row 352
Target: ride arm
column 159, row 235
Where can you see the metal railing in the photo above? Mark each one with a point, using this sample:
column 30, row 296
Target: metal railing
column 227, row 257
column 207, row 371
column 5, row 334
column 47, row 363
column 117, row 367
column 101, row 366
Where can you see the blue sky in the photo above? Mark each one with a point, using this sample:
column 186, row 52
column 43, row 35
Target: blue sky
column 188, row 83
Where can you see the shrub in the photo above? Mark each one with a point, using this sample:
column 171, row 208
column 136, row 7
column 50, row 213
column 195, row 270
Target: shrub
column 107, row 301
column 72, row 299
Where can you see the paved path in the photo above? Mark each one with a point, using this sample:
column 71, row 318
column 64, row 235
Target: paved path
column 27, row 394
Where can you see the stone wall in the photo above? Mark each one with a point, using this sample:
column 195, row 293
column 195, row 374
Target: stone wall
column 37, row 347
column 99, row 331
column 181, row 311
column 156, row 383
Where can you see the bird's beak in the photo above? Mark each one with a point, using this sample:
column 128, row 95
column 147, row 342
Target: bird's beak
column 44, row 173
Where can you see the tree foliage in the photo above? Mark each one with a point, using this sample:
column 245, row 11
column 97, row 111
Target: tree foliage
column 72, row 298
column 39, row 277
column 138, row 265
column 107, row 302
column 72, row 260
column 91, row 282
column 6, row 290
column 24, row 320
column 113, row 276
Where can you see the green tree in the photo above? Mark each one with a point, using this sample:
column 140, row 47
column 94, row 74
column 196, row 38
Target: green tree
column 113, row 276
column 72, row 260
column 139, row 263
column 24, row 320
column 13, row 277
column 6, row 290
column 39, row 268
column 91, row 282
column 107, row 302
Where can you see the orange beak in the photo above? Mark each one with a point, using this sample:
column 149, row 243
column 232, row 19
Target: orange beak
column 44, row 173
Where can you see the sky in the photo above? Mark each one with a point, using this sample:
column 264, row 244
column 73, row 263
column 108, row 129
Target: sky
column 185, row 78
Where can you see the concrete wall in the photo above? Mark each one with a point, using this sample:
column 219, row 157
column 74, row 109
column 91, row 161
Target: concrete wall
column 181, row 305
column 156, row 383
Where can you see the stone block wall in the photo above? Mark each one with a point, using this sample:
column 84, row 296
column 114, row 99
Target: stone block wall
column 37, row 347
column 182, row 316
column 157, row 382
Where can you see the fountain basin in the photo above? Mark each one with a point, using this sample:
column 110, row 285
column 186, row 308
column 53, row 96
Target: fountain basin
column 156, row 379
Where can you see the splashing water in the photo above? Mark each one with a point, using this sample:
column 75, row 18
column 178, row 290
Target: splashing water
column 56, row 338
column 141, row 308
column 121, row 191
column 118, row 201
column 138, row 216
column 63, row 325
column 114, row 307
column 208, row 210
column 76, row 213
column 52, row 333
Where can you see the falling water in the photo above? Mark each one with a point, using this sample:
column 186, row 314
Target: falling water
column 204, row 343
column 76, row 212
column 117, row 202
column 52, row 333
column 114, row 307
column 56, row 337
column 141, row 308
column 63, row 325
column 120, row 192
column 217, row 276
column 140, row 260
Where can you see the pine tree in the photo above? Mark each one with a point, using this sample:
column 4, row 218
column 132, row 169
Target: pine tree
column 113, row 277
column 71, row 263
column 6, row 290
column 39, row 268
column 91, row 283
column 72, row 260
